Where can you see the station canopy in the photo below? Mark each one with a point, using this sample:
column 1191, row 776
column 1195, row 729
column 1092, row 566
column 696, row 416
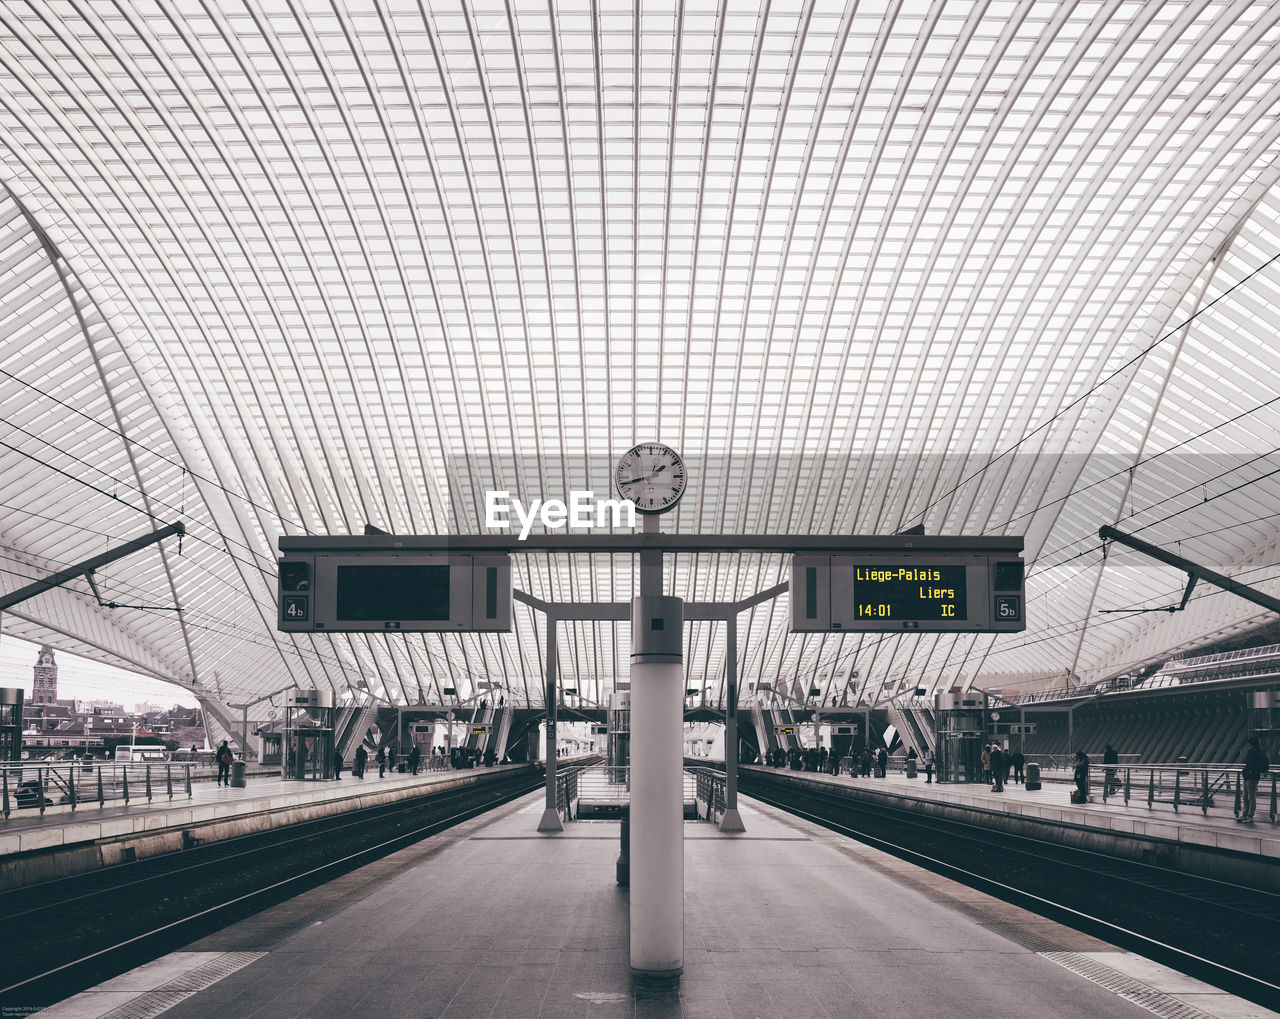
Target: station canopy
column 294, row 269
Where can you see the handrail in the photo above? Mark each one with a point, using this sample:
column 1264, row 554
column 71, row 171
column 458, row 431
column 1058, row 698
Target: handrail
column 77, row 784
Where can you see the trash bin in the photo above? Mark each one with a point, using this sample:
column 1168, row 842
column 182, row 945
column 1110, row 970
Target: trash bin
column 237, row 774
column 1033, row 776
column 911, row 767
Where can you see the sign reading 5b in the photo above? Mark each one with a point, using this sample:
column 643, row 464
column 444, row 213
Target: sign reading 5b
column 911, row 591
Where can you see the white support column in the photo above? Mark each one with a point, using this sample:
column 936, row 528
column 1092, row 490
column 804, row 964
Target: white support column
column 657, row 793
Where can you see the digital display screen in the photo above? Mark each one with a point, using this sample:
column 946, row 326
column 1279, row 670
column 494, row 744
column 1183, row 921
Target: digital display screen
column 909, row 592
column 375, row 592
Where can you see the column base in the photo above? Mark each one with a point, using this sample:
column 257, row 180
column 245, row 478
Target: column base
column 656, row 981
column 732, row 821
column 550, row 820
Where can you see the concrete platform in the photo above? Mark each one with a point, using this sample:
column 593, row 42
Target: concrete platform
column 494, row 919
column 34, row 848
column 1188, row 828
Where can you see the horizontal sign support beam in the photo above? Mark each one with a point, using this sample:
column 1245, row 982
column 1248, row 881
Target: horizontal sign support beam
column 605, row 611
column 782, row 544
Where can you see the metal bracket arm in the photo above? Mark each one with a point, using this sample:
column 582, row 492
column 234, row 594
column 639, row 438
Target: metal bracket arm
column 88, row 566
column 1196, row 571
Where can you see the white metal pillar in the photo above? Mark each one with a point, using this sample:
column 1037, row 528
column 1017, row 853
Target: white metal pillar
column 656, row 852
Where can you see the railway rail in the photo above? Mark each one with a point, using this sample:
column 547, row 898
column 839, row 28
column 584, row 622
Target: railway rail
column 65, row 935
column 1225, row 934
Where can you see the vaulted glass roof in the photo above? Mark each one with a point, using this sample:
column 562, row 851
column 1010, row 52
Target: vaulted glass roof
column 990, row 268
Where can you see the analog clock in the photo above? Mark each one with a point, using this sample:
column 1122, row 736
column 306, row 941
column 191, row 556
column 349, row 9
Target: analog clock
column 652, row 476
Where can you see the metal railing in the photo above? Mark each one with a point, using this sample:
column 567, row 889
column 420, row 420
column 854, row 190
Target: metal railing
column 566, row 793
column 709, row 792
column 606, row 784
column 1181, row 785
column 40, row 786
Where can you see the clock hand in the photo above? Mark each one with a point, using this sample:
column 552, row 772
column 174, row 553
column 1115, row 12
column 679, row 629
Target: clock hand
column 635, row 480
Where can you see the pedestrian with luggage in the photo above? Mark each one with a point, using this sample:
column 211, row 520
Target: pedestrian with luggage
column 1110, row 757
column 1256, row 765
column 225, row 757
column 1081, row 775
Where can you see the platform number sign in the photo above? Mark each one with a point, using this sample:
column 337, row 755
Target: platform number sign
column 1008, row 608
column 295, row 608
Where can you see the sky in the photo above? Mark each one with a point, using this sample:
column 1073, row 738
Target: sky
column 81, row 679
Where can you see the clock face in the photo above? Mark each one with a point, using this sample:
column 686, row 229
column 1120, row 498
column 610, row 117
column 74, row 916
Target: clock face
column 652, row 476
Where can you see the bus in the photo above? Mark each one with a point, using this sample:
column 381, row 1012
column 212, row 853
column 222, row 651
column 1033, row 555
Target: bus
column 135, row 753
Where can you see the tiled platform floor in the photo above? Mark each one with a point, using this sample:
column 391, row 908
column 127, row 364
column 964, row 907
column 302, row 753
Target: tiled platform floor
column 494, row 919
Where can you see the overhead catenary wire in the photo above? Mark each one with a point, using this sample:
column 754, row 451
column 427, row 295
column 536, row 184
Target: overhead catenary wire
column 1098, row 385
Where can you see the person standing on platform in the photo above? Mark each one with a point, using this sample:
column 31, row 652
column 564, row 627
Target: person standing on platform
column 391, row 760
column 1081, row 776
column 362, row 758
column 415, row 756
column 382, row 762
column 928, row 767
column 997, row 768
column 986, row 762
column 1255, row 766
column 1110, row 757
column 882, row 763
column 337, row 766
column 1018, row 760
column 225, row 757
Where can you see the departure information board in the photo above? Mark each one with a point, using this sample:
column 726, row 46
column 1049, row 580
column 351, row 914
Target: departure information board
column 909, row 592
column 353, row 591
column 926, row 591
column 366, row 593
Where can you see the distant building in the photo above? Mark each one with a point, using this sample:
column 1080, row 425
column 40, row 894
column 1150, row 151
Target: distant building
column 45, row 687
column 54, row 727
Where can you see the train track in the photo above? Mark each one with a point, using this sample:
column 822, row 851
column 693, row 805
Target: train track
column 65, row 935
column 1225, row 934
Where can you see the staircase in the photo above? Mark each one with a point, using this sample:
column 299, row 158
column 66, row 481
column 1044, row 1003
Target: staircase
column 501, row 731
column 766, row 734
column 910, row 729
column 353, row 723
column 785, row 716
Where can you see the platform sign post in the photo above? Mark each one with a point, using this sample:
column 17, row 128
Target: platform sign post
column 550, row 815
column 732, row 820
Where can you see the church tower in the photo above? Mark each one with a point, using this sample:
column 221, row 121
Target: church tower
column 45, row 690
